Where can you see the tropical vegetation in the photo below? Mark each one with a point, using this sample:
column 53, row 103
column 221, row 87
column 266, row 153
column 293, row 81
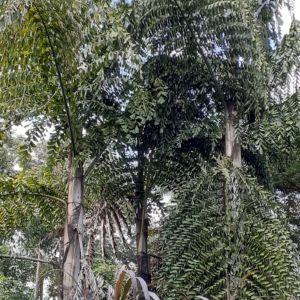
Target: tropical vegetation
column 162, row 136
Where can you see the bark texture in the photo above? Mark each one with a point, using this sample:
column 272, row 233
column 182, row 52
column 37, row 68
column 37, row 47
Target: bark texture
column 233, row 150
column 232, row 143
column 143, row 269
column 73, row 231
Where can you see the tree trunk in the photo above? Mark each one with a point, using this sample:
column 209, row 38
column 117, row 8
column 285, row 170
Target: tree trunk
column 232, row 144
column 143, row 266
column 143, row 269
column 59, row 273
column 37, row 277
column 233, row 150
column 73, row 231
column 42, row 288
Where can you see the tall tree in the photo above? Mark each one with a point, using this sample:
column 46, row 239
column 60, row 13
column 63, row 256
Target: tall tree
column 229, row 43
column 55, row 63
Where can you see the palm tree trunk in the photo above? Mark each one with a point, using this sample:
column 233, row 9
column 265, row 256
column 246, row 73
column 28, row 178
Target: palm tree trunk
column 143, row 266
column 143, row 269
column 232, row 144
column 233, row 150
column 73, row 230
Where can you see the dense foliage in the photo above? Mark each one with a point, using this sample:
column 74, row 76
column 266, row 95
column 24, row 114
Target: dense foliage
column 127, row 101
column 257, row 254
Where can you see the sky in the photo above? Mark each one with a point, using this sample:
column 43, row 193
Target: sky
column 287, row 18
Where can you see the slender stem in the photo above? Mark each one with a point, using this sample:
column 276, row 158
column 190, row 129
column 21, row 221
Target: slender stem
column 155, row 256
column 27, row 258
column 59, row 277
column 37, row 277
column 34, row 194
column 145, row 200
column 294, row 185
column 228, row 286
column 227, row 209
column 91, row 166
column 60, row 82
column 228, row 223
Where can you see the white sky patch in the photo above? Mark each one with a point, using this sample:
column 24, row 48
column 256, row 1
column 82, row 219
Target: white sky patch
column 22, row 129
column 297, row 9
column 287, row 18
column 17, row 167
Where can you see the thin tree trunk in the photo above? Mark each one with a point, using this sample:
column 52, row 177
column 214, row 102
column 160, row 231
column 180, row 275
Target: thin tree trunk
column 42, row 288
column 37, row 277
column 143, row 266
column 59, row 273
column 73, row 230
column 232, row 144
column 28, row 258
column 143, row 269
column 233, row 150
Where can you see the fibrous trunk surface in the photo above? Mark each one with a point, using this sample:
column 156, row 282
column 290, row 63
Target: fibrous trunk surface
column 73, row 231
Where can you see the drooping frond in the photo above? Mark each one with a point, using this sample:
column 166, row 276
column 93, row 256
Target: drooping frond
column 108, row 221
column 88, row 281
column 205, row 242
column 223, row 37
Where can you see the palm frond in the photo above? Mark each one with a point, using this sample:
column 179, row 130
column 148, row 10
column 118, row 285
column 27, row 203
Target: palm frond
column 201, row 250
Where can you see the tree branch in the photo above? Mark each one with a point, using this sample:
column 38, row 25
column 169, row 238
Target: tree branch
column 154, row 255
column 297, row 188
column 28, row 258
column 34, row 194
column 91, row 166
